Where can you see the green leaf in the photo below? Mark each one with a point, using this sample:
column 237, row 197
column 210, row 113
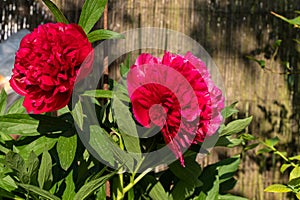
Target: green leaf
column 124, row 67
column 230, row 197
column 229, row 110
column 32, row 167
column 263, row 150
column 98, row 93
column 69, row 192
column 272, row 142
column 59, row 16
column 90, row 187
column 91, row 13
column 295, row 157
column 45, row 171
column 37, row 146
column 182, row 190
column 39, row 191
column 261, row 63
column 295, row 173
column 15, row 162
column 9, row 195
column 154, row 188
column 106, row 94
column 202, row 196
column 127, row 126
column 278, row 188
column 8, row 184
column 3, row 97
column 107, row 149
column 103, row 34
column 17, row 107
column 66, row 149
column 227, row 168
column 295, row 21
column 18, row 124
column 251, row 146
column 294, row 183
column 236, row 126
column 248, row 137
column 284, row 167
column 49, row 124
column 77, row 114
column 228, row 141
column 188, row 174
column 213, row 193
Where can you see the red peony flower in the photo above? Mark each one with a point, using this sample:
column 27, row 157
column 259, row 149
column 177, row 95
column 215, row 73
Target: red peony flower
column 178, row 95
column 47, row 63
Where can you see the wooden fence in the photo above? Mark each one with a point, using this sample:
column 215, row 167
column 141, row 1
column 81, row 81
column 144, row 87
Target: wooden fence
column 230, row 30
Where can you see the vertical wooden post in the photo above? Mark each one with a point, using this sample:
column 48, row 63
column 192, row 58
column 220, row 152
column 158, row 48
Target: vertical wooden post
column 105, row 84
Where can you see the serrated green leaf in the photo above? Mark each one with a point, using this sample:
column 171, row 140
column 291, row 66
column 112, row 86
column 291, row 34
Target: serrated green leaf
column 229, row 110
column 39, row 191
column 284, row 167
column 69, row 192
column 102, row 34
column 295, row 173
column 91, row 13
column 77, row 114
column 278, row 188
column 17, row 107
column 3, row 103
column 89, row 188
column 21, row 124
column 59, row 16
column 66, row 149
column 236, row 126
column 126, row 126
column 45, row 171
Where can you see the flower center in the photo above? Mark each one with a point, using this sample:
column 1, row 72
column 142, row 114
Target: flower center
column 157, row 114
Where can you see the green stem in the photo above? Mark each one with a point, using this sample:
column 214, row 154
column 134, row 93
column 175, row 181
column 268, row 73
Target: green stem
column 120, row 190
column 279, row 153
column 135, row 181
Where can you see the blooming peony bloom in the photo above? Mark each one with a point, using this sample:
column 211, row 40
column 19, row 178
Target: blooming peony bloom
column 47, row 63
column 178, row 95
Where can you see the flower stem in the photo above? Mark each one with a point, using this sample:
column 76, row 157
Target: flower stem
column 135, row 181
